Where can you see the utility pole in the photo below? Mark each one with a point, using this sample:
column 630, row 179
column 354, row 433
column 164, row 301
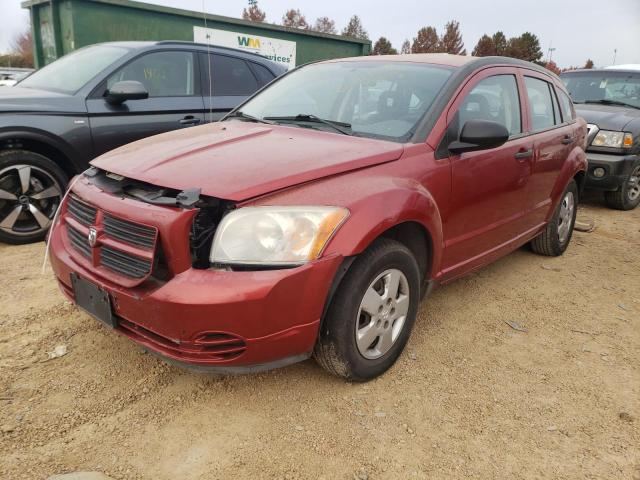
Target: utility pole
column 551, row 50
column 615, row 53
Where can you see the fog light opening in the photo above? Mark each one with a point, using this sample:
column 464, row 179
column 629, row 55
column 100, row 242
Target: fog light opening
column 599, row 172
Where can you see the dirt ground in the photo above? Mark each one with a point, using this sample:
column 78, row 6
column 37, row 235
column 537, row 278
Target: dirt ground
column 470, row 397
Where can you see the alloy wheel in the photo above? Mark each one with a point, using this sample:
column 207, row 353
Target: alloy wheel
column 565, row 217
column 382, row 313
column 29, row 198
column 633, row 185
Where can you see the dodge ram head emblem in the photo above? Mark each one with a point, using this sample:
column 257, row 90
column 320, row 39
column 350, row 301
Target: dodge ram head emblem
column 92, row 237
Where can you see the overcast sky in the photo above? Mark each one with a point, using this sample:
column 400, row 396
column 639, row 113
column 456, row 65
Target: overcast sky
column 577, row 29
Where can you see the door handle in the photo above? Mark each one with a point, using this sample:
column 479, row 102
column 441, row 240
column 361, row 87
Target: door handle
column 568, row 140
column 190, row 120
column 524, row 154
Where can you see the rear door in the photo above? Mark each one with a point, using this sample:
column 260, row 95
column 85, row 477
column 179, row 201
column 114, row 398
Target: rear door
column 234, row 79
column 488, row 186
column 172, row 79
column 552, row 141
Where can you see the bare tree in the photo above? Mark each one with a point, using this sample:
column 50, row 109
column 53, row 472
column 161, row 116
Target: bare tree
column 294, row 19
column 427, row 41
column 383, row 47
column 325, row 25
column 406, row 47
column 254, row 14
column 588, row 64
column 355, row 29
column 451, row 41
column 21, row 50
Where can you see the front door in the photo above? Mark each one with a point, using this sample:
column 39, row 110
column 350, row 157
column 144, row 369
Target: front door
column 488, row 186
column 172, row 79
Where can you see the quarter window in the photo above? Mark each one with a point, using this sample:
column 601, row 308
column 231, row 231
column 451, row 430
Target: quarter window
column 164, row 74
column 494, row 98
column 543, row 105
column 568, row 112
column 263, row 74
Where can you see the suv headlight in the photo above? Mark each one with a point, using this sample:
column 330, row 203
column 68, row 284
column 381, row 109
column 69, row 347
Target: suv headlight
column 607, row 138
column 275, row 235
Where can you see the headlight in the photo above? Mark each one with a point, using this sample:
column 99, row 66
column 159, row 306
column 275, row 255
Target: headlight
column 275, row 235
column 606, row 138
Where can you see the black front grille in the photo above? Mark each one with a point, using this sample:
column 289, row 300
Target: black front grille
column 124, row 263
column 129, row 232
column 82, row 212
column 79, row 241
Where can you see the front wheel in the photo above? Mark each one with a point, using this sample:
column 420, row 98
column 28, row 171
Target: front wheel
column 555, row 238
column 31, row 189
column 627, row 197
column 370, row 318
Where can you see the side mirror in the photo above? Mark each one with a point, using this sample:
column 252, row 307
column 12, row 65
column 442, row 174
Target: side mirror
column 479, row 135
column 126, row 90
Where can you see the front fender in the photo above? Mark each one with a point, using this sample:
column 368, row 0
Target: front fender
column 378, row 199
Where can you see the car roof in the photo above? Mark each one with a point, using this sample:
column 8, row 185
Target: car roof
column 140, row 45
column 608, row 70
column 467, row 62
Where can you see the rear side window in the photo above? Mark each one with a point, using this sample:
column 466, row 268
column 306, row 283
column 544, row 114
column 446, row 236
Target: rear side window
column 164, row 74
column 568, row 113
column 493, row 98
column 263, row 74
column 231, row 76
column 544, row 111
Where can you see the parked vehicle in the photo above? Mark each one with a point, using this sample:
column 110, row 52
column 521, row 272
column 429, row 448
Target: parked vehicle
column 10, row 76
column 609, row 100
column 99, row 98
column 314, row 217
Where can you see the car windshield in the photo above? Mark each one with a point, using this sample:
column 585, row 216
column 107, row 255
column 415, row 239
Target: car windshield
column 71, row 72
column 369, row 99
column 604, row 86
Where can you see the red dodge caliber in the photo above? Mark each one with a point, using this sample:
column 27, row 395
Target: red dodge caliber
column 314, row 218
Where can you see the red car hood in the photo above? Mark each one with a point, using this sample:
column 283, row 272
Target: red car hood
column 239, row 160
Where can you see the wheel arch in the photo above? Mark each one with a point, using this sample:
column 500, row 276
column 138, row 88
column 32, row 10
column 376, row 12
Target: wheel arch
column 43, row 144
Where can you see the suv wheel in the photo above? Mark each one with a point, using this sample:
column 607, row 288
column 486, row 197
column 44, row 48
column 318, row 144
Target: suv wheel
column 31, row 188
column 555, row 238
column 372, row 313
column 627, row 197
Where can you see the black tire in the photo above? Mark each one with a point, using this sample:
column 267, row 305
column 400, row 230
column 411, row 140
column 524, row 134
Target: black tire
column 336, row 349
column 43, row 174
column 549, row 242
column 627, row 197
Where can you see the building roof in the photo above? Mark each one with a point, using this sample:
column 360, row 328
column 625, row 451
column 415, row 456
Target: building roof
column 211, row 17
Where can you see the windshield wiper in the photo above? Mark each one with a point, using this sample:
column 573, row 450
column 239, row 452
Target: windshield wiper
column 341, row 127
column 246, row 116
column 612, row 102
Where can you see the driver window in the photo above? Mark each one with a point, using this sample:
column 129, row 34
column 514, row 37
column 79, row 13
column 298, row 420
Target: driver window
column 163, row 74
column 493, row 98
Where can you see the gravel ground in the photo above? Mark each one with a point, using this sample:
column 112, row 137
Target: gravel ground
column 471, row 397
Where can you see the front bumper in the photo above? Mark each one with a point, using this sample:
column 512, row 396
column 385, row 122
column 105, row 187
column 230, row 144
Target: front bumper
column 617, row 168
column 221, row 320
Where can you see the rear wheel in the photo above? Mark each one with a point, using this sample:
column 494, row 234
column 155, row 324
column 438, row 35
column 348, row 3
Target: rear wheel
column 31, row 188
column 555, row 238
column 372, row 313
column 627, row 197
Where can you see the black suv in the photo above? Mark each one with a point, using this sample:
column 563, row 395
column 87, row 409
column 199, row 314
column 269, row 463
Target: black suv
column 101, row 97
column 609, row 100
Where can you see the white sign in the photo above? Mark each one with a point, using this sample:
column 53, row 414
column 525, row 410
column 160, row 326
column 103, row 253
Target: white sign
column 279, row 51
